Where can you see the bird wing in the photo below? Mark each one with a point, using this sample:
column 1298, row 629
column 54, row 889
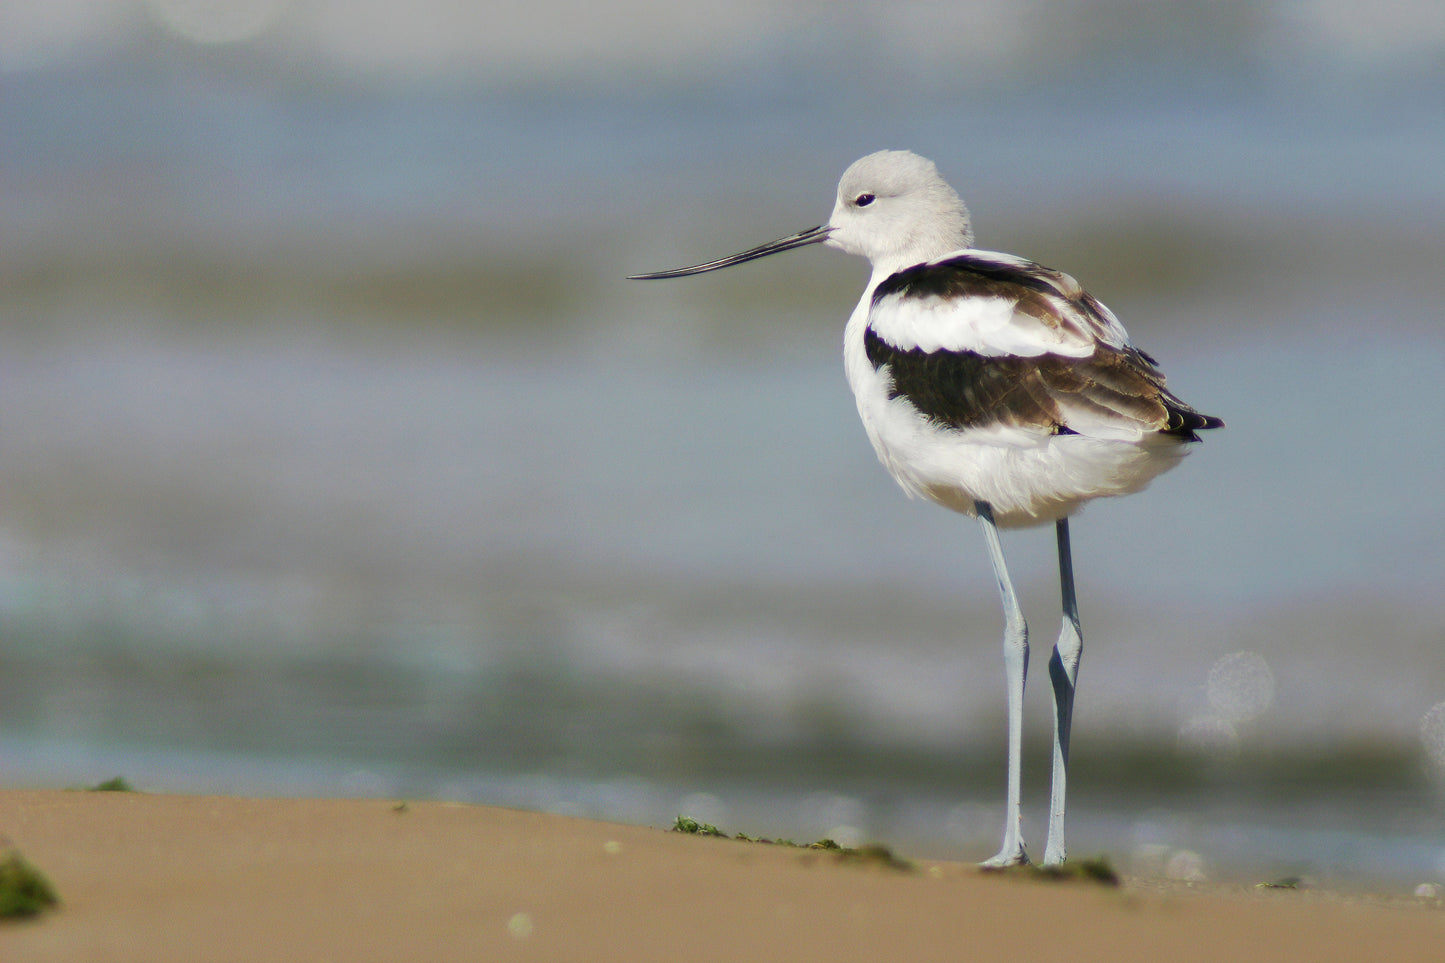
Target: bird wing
column 978, row 339
column 992, row 304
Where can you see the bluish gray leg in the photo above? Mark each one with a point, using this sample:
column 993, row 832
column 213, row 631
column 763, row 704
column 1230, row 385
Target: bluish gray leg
column 1016, row 668
column 1064, row 674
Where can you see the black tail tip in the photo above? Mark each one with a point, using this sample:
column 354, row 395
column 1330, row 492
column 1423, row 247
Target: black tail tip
column 1186, row 423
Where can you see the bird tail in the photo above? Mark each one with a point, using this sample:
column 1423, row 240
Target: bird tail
column 1184, row 421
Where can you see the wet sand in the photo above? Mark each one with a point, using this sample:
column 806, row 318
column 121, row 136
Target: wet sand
column 190, row 878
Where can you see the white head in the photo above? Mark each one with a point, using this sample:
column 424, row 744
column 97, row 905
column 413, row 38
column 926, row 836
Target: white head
column 893, row 208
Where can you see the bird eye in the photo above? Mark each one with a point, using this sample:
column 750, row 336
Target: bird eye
column 863, row 200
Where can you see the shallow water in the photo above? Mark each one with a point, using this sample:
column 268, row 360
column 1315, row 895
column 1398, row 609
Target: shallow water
column 342, row 479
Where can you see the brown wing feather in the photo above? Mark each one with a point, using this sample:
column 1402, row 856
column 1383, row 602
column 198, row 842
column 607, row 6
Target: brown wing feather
column 1125, row 383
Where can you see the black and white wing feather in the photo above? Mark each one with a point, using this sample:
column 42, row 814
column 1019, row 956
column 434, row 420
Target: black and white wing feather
column 980, row 339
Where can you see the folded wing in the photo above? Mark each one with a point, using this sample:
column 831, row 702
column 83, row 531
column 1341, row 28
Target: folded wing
column 980, row 339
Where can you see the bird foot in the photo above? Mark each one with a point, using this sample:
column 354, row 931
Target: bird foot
column 1006, row 857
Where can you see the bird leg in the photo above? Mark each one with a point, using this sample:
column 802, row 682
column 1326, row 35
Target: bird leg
column 1063, row 673
column 1016, row 668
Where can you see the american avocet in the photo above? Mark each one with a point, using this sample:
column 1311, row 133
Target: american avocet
column 997, row 388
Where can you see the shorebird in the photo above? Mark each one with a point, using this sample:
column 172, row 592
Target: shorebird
column 997, row 388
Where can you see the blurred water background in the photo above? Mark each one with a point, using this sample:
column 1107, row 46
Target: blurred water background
column 336, row 457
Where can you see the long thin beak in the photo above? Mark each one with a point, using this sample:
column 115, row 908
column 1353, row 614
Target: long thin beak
column 812, row 235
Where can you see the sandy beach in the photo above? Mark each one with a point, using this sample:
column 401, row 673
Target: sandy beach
column 172, row 878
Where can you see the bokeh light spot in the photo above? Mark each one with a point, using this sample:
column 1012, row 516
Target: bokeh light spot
column 1241, row 686
column 1432, row 734
column 216, row 21
column 1210, row 735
